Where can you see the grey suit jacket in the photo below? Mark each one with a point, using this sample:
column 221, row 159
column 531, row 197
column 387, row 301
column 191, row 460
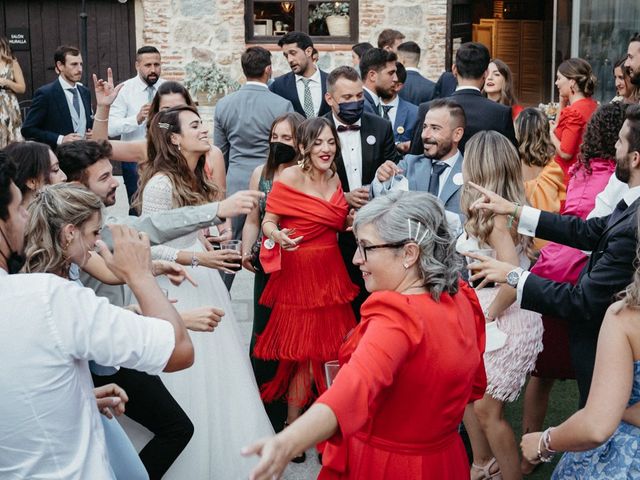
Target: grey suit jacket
column 417, row 169
column 161, row 227
column 242, row 122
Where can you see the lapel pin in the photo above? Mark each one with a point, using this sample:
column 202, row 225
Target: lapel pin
column 457, row 179
column 371, row 140
column 400, row 130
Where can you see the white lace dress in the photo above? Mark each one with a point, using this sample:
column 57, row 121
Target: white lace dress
column 508, row 367
column 219, row 392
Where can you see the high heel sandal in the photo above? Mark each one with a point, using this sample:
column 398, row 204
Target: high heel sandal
column 300, row 458
column 486, row 470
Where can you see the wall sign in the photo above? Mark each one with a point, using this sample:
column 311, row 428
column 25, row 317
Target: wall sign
column 18, row 38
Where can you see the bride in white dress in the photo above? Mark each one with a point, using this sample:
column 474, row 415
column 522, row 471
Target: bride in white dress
column 219, row 392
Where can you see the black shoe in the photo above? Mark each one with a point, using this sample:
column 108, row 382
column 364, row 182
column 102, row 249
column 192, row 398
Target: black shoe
column 300, row 458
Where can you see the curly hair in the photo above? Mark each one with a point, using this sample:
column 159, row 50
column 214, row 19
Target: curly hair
column 491, row 161
column 307, row 134
column 54, row 207
column 189, row 187
column 532, row 132
column 439, row 266
column 601, row 134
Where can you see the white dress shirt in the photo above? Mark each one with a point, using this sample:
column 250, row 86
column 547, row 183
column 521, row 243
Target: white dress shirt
column 50, row 426
column 530, row 217
column 315, row 85
column 444, row 176
column 351, row 150
column 607, row 199
column 393, row 111
column 79, row 121
column 467, row 87
column 125, row 108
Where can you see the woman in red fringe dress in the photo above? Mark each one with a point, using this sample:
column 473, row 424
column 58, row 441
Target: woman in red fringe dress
column 410, row 367
column 309, row 290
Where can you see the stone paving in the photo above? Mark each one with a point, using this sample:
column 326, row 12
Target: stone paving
column 242, row 302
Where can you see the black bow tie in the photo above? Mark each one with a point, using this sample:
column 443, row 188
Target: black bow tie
column 346, row 128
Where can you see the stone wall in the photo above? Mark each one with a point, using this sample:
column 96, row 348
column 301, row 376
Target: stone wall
column 213, row 30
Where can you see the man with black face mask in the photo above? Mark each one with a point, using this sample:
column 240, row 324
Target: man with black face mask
column 366, row 142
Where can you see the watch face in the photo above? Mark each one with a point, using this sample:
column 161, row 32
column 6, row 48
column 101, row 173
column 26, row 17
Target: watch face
column 512, row 278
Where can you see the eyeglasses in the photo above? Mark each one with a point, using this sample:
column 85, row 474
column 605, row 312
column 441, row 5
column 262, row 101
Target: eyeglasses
column 362, row 249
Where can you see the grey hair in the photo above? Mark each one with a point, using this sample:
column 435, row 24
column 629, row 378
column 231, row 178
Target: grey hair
column 398, row 215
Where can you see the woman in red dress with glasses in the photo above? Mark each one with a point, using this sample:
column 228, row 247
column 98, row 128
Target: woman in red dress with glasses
column 410, row 367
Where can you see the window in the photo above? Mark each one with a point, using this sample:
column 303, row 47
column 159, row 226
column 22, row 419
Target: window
column 325, row 22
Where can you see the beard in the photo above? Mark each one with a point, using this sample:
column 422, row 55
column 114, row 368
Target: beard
column 623, row 172
column 444, row 148
column 151, row 79
column 634, row 77
column 385, row 94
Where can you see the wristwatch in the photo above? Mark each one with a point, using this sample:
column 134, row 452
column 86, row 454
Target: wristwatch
column 513, row 277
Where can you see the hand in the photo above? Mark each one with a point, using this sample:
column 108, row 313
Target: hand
column 224, row 235
column 202, row 319
column 350, row 219
column 143, row 113
column 240, row 203
column 71, row 137
column 105, row 92
column 246, row 262
column 110, row 399
column 529, row 445
column 131, row 258
column 357, row 198
column 287, row 243
column 403, row 147
column 564, row 101
column 552, row 126
column 492, row 202
column 387, row 170
column 488, row 269
column 3, row 82
column 275, row 458
column 88, row 135
column 176, row 273
column 222, row 260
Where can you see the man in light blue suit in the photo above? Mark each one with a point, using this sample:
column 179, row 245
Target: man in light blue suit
column 439, row 169
column 403, row 115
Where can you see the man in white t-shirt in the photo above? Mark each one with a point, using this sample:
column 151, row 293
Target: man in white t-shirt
column 49, row 328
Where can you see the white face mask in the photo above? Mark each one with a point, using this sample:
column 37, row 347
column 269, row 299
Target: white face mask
column 398, row 182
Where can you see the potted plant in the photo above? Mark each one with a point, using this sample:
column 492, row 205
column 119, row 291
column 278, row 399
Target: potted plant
column 208, row 83
column 336, row 16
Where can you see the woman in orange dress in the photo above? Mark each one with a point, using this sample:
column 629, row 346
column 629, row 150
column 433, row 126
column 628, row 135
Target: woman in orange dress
column 409, row 368
column 576, row 84
column 309, row 290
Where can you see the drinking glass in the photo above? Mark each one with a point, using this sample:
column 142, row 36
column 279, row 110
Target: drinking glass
column 331, row 369
column 487, row 252
column 235, row 245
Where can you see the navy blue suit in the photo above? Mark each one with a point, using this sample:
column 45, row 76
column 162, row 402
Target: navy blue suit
column 285, row 86
column 370, row 105
column 417, row 89
column 49, row 115
column 405, row 121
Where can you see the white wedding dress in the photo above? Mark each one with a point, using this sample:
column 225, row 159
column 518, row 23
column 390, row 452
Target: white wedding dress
column 219, row 392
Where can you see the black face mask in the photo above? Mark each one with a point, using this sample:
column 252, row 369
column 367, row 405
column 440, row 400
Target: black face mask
column 282, row 153
column 351, row 112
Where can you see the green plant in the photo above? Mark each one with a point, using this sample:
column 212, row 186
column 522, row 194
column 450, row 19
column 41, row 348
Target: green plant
column 209, row 79
column 328, row 9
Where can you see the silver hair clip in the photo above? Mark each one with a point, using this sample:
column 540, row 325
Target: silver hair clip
column 164, row 125
column 414, row 236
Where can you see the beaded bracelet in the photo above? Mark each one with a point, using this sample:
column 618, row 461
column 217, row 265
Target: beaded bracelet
column 543, row 443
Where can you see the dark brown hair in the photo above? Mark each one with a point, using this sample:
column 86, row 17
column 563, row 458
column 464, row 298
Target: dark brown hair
column 532, row 131
column 307, row 134
column 579, row 70
column 62, row 51
column 294, row 120
column 388, row 37
column 189, row 187
column 32, row 161
column 507, row 97
column 601, row 134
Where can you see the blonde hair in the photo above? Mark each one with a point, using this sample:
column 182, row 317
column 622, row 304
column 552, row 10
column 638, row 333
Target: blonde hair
column 6, row 55
column 532, row 132
column 52, row 208
column 491, row 161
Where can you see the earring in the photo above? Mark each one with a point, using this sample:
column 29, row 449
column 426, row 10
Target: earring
column 405, row 266
column 179, row 149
